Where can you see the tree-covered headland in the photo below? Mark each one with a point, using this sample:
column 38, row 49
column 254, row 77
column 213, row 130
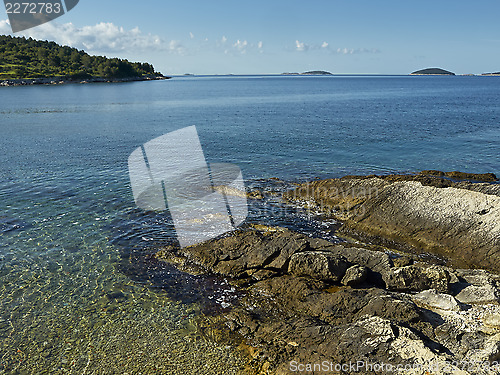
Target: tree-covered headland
column 25, row 58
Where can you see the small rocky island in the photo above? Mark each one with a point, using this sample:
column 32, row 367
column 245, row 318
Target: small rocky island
column 414, row 282
column 317, row 73
column 432, row 71
column 310, row 73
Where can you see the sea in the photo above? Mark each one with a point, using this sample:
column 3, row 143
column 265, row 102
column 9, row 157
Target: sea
column 80, row 290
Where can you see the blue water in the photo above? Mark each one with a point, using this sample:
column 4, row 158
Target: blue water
column 68, row 224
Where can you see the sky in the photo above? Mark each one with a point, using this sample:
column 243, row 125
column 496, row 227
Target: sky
column 275, row 36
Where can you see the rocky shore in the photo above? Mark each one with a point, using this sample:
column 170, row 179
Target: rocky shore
column 309, row 306
column 62, row 80
column 428, row 212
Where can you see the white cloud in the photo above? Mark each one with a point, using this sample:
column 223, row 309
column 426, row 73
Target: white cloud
column 237, row 47
column 345, row 51
column 5, row 27
column 304, row 47
column 174, row 45
column 352, row 51
column 301, row 46
column 241, row 46
column 103, row 37
column 191, row 35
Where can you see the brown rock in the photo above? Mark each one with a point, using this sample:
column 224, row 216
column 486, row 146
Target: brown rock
column 418, row 278
column 355, row 275
column 318, row 265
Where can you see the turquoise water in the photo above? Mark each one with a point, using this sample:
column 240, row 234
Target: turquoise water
column 78, row 291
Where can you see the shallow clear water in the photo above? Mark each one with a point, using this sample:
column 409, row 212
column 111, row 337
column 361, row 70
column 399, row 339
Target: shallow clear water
column 78, row 291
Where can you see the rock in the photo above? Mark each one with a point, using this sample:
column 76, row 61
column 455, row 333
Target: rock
column 402, row 261
column 368, row 335
column 492, row 321
column 489, row 177
column 485, row 188
column 433, row 300
column 492, row 349
column 390, row 307
column 476, row 277
column 255, row 194
column 286, row 307
column 455, row 223
column 318, row 265
column 235, row 192
column 453, row 277
column 473, row 294
column 245, row 252
column 459, row 341
column 488, row 353
column 418, row 278
column 376, row 262
column 371, row 336
column 262, row 274
column 288, row 244
column 476, row 287
column 355, row 275
column 412, row 350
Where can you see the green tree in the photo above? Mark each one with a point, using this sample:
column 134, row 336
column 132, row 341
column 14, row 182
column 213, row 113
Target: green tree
column 41, row 59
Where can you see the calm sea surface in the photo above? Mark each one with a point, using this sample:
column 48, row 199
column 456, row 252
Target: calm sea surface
column 78, row 293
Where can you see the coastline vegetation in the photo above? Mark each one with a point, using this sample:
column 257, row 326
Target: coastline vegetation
column 26, row 58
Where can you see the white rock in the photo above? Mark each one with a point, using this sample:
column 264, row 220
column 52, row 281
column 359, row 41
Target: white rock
column 436, row 301
column 478, row 294
column 492, row 321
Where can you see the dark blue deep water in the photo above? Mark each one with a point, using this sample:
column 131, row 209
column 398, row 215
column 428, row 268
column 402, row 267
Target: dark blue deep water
column 69, row 230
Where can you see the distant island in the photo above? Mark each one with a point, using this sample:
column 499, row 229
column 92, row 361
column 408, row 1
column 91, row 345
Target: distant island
column 491, row 74
column 433, row 71
column 317, row 73
column 310, row 73
column 28, row 61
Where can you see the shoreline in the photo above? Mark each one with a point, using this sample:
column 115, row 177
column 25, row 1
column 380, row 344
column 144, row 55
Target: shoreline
column 306, row 300
column 450, row 215
column 64, row 81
